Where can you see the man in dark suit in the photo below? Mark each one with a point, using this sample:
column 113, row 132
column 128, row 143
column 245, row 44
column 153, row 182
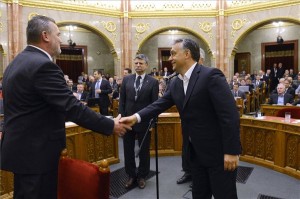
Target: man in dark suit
column 100, row 89
column 257, row 82
column 210, row 122
column 274, row 77
column 137, row 91
column 37, row 102
column 237, row 93
column 281, row 98
column 81, row 93
column 165, row 73
column 71, row 86
column 154, row 73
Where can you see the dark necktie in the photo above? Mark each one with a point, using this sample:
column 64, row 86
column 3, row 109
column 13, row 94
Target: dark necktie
column 138, row 82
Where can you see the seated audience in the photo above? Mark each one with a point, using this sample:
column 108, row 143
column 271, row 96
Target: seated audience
column 257, row 82
column 154, row 72
column 237, row 93
column 281, row 98
column 288, row 87
column 249, row 83
column 81, row 94
column 71, row 85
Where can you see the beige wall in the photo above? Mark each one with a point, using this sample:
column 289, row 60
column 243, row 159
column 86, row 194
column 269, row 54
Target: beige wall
column 252, row 42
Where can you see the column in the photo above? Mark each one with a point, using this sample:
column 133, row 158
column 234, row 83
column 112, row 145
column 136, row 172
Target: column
column 15, row 33
column 126, row 60
column 221, row 60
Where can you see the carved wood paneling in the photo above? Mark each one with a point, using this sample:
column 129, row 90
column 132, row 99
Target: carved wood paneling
column 259, row 143
column 271, row 142
column 270, row 146
column 70, row 142
column 291, row 151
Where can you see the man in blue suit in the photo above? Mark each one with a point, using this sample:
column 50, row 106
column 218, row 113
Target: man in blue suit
column 37, row 102
column 210, row 121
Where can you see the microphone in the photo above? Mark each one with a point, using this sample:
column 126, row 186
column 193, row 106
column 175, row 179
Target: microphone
column 171, row 76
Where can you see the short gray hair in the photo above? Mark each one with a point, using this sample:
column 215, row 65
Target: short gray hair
column 36, row 26
column 142, row 57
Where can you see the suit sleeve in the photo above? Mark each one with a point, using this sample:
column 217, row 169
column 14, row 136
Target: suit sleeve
column 107, row 88
column 157, row 107
column 227, row 114
column 51, row 85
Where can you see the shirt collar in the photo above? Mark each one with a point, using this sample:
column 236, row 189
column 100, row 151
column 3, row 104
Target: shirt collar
column 42, row 51
column 188, row 73
column 142, row 76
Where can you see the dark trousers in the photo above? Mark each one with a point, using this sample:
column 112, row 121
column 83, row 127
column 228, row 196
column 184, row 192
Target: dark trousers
column 186, row 167
column 211, row 181
column 144, row 155
column 103, row 110
column 35, row 186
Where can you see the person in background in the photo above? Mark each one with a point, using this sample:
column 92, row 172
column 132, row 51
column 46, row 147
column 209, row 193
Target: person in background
column 210, row 123
column 37, row 102
column 127, row 71
column 154, row 73
column 116, row 90
column 71, row 85
column 100, row 89
column 281, row 98
column 165, row 73
column 82, row 95
column 237, row 93
column 137, row 91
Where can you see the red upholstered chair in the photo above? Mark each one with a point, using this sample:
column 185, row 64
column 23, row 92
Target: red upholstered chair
column 78, row 179
column 295, row 112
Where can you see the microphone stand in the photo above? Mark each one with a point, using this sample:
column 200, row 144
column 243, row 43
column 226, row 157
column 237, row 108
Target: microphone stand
column 156, row 151
column 156, row 157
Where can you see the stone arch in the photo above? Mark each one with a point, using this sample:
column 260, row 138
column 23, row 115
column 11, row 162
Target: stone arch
column 250, row 29
column 184, row 29
column 92, row 29
column 262, row 23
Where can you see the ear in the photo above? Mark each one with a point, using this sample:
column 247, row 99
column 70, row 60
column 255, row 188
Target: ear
column 45, row 36
column 188, row 53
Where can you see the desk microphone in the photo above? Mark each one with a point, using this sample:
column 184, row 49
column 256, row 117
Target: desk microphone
column 171, row 76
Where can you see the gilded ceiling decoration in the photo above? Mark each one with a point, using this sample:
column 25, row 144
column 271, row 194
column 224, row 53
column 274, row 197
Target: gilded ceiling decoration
column 206, row 27
column 140, row 28
column 236, row 25
column 110, row 27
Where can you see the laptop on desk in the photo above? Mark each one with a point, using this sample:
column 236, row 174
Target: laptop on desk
column 244, row 89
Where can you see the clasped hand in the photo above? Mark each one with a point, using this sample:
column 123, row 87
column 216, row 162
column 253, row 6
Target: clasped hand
column 123, row 124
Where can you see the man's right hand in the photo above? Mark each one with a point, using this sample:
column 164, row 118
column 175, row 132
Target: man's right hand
column 130, row 120
column 120, row 128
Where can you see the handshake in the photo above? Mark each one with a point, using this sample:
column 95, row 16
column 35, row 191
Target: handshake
column 123, row 124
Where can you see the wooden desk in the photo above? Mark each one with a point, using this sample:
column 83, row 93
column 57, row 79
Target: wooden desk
column 169, row 135
column 272, row 110
column 82, row 144
column 272, row 143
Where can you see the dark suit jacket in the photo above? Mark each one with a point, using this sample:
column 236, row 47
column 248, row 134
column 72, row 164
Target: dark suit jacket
column 260, row 84
column 36, row 111
column 103, row 96
column 148, row 94
column 84, row 96
column 287, row 98
column 208, row 114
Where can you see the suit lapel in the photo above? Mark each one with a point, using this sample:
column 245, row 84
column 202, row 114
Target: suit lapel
column 192, row 82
